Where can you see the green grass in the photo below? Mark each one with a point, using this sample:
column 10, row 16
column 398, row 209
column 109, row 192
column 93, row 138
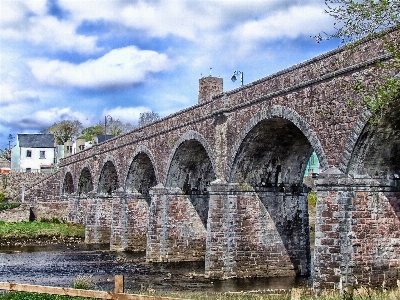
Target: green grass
column 35, row 296
column 4, row 206
column 33, row 230
column 359, row 294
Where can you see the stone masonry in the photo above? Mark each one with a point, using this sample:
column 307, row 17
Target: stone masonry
column 223, row 179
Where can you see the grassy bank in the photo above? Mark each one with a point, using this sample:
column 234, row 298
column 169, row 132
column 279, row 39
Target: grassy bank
column 28, row 232
column 35, row 296
column 330, row 295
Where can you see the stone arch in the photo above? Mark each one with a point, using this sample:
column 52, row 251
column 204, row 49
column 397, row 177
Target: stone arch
column 196, row 139
column 267, row 167
column 373, row 149
column 287, row 115
column 142, row 174
column 68, row 183
column 191, row 168
column 85, row 183
column 108, row 178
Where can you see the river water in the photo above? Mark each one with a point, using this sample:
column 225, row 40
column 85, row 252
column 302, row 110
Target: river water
column 60, row 265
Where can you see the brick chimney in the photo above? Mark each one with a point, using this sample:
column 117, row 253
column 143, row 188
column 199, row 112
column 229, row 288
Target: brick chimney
column 209, row 87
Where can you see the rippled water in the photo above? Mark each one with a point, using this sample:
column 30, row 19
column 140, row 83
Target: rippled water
column 60, row 265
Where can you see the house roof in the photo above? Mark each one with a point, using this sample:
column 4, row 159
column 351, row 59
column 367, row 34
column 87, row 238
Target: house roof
column 36, row 140
column 102, row 138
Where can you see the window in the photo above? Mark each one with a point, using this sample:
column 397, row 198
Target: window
column 69, row 149
column 82, row 147
column 28, row 153
column 42, row 154
column 28, row 170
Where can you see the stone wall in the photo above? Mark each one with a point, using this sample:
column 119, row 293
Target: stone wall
column 17, row 214
column 98, row 220
column 263, row 233
column 357, row 233
column 35, row 211
column 176, row 231
column 130, row 221
column 46, row 190
column 11, row 183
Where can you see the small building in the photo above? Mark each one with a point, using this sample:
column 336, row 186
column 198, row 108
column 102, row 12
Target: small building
column 100, row 138
column 34, row 153
column 4, row 166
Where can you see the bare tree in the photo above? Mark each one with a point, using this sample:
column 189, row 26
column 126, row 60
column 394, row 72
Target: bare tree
column 147, row 118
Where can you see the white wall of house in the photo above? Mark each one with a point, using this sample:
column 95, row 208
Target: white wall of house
column 35, row 158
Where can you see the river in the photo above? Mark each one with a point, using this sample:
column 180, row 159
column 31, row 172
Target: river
column 60, row 265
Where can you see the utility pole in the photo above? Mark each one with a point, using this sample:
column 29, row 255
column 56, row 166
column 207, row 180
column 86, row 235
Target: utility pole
column 10, row 138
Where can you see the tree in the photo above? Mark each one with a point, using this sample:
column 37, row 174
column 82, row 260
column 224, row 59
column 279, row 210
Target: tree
column 147, row 118
column 116, row 127
column 65, row 130
column 90, row 132
column 355, row 19
column 6, row 154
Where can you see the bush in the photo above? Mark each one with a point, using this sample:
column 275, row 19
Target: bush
column 44, row 220
column 312, row 198
column 83, row 282
column 53, row 219
column 5, row 206
column 2, row 197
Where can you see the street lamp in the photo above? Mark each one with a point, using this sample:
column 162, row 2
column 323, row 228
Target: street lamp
column 105, row 123
column 235, row 75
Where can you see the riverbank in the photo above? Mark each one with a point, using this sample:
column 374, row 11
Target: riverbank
column 40, row 233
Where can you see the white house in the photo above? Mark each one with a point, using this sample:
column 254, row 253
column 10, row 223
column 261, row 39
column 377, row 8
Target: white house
column 34, row 153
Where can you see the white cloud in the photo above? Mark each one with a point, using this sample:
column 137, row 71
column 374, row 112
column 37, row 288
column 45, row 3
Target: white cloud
column 56, row 114
column 126, row 114
column 117, row 69
column 28, row 21
column 291, row 23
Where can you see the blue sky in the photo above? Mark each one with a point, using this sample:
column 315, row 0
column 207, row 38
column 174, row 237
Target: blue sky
column 85, row 59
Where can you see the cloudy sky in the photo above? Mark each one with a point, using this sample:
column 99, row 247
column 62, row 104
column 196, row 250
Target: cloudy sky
column 85, row 59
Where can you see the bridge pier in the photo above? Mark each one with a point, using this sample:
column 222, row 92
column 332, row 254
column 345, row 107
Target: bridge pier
column 98, row 220
column 263, row 233
column 130, row 218
column 176, row 231
column 77, row 208
column 357, row 232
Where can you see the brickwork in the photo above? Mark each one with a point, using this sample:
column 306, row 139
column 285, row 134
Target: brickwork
column 98, row 220
column 224, row 179
column 176, row 231
column 11, row 184
column 18, row 214
column 130, row 221
column 35, row 211
column 263, row 233
column 357, row 233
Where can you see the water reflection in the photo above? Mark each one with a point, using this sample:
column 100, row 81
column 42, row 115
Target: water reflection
column 60, row 265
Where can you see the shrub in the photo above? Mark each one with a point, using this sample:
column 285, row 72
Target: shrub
column 55, row 220
column 5, row 206
column 2, row 197
column 44, row 220
column 312, row 198
column 83, row 282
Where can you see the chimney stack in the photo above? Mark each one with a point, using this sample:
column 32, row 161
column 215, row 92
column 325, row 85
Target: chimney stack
column 209, row 87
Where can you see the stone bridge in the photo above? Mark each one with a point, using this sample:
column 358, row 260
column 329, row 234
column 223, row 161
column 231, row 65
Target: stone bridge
column 222, row 181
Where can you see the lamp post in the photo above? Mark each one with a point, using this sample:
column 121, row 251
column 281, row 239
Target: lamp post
column 105, row 123
column 235, row 75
